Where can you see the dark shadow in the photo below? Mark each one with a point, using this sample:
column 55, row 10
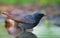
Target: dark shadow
column 27, row 35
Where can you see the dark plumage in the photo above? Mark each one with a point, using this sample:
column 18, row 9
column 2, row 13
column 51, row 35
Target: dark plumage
column 34, row 18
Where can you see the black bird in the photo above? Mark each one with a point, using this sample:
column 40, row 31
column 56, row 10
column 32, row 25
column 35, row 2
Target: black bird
column 33, row 19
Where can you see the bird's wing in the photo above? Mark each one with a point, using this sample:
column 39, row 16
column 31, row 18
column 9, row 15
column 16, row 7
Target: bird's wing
column 28, row 19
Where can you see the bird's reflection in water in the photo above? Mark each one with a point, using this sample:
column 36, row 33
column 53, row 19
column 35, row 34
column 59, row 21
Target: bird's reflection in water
column 27, row 35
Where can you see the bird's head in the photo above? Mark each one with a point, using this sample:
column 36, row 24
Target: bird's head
column 39, row 15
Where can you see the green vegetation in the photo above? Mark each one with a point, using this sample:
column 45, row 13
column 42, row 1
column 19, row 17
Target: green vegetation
column 41, row 2
column 3, row 32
